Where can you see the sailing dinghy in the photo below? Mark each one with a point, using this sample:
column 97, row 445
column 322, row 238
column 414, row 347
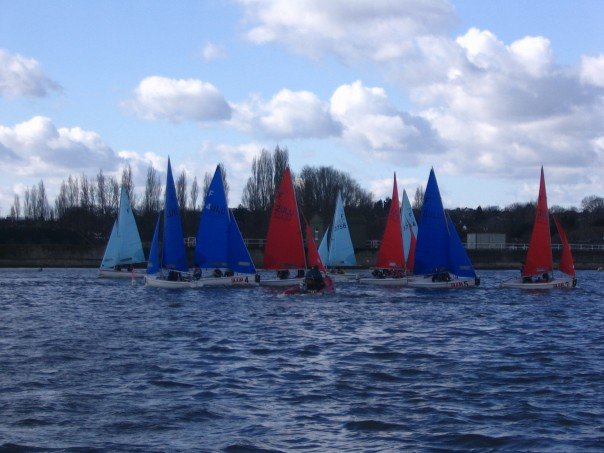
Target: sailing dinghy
column 173, row 269
column 124, row 249
column 336, row 249
column 441, row 260
column 221, row 257
column 390, row 263
column 537, row 271
column 284, row 249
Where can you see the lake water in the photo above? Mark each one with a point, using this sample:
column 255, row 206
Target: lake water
column 100, row 364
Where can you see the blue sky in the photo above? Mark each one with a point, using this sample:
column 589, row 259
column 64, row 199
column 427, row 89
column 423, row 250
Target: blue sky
column 484, row 91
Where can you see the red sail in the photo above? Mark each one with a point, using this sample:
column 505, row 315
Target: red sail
column 566, row 260
column 314, row 259
column 391, row 254
column 539, row 256
column 284, row 246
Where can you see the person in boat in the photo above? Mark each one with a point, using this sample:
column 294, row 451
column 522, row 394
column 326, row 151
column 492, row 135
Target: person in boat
column 441, row 275
column 217, row 273
column 228, row 273
column 130, row 268
column 174, row 276
column 197, row 273
column 314, row 279
column 378, row 273
column 282, row 274
column 300, row 273
column 117, row 267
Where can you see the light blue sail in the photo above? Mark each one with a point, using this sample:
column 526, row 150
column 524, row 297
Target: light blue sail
column 154, row 263
column 174, row 255
column 211, row 246
column 324, row 248
column 239, row 257
column 124, row 247
column 459, row 261
column 409, row 225
column 341, row 251
column 432, row 247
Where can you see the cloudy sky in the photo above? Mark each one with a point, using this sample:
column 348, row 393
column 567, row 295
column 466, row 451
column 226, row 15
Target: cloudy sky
column 483, row 91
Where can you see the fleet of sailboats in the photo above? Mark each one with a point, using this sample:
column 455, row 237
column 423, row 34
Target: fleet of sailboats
column 425, row 255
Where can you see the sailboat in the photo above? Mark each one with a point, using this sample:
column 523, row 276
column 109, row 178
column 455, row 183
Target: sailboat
column 390, row 263
column 124, row 249
column 173, row 266
column 336, row 247
column 221, row 257
column 441, row 260
column 537, row 270
column 284, row 249
column 314, row 261
column 409, row 232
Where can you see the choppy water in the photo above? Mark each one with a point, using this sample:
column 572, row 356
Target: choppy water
column 100, row 364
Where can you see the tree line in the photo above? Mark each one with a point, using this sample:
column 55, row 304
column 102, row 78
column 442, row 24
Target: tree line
column 89, row 204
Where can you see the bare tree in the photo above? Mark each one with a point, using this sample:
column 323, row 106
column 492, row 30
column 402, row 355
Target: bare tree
column 128, row 183
column 152, row 196
column 102, row 192
column 73, row 192
column 418, row 199
column 16, row 208
column 181, row 189
column 207, row 180
column 260, row 187
column 194, row 194
column 62, row 200
column 280, row 163
column 114, row 194
column 86, row 193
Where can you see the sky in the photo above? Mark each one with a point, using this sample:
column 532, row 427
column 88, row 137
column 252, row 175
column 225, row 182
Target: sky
column 485, row 92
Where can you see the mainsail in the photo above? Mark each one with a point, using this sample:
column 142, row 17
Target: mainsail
column 124, row 246
column 390, row 254
column 409, row 232
column 341, row 250
column 174, row 255
column 284, row 245
column 539, row 255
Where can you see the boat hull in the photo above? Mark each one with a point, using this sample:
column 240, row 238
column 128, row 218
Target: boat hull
column 403, row 281
column 157, row 282
column 454, row 283
column 282, row 282
column 112, row 273
column 235, row 280
column 517, row 283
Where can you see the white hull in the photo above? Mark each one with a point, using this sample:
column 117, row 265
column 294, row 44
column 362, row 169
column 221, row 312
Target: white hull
column 235, row 280
column 208, row 282
column 112, row 273
column 402, row 281
column 566, row 282
column 282, row 282
column 454, row 283
column 343, row 277
column 157, row 282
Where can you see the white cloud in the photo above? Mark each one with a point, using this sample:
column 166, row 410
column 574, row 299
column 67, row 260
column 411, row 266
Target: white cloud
column 211, row 51
column 21, row 76
column 380, row 30
column 371, row 121
column 177, row 100
column 592, row 70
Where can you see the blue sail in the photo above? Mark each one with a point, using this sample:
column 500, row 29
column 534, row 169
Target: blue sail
column 174, row 255
column 341, row 251
column 432, row 248
column 153, row 263
column 211, row 246
column 124, row 246
column 323, row 248
column 239, row 256
column 459, row 262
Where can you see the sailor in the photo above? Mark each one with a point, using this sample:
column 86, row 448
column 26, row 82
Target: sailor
column 314, row 280
column 282, row 274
